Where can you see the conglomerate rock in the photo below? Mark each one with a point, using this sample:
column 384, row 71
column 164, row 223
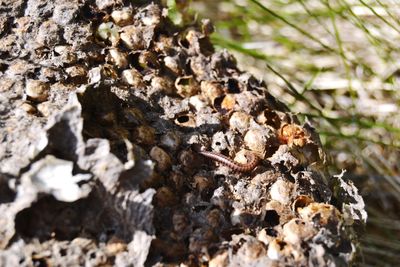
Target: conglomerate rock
column 106, row 111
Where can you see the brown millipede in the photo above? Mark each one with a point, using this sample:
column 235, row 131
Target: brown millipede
column 252, row 161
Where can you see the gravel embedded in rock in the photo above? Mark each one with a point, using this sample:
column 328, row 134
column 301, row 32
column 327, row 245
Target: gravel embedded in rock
column 127, row 98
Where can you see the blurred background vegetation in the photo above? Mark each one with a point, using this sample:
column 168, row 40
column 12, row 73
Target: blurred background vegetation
column 335, row 63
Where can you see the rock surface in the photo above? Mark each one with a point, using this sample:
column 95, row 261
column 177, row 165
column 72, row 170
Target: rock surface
column 104, row 108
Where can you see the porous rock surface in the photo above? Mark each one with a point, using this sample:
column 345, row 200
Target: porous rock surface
column 104, row 107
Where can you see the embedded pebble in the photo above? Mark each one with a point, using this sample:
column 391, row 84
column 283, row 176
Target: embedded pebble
column 297, row 230
column 118, row 58
column 323, row 213
column 161, row 157
column 122, row 17
column 44, row 108
column 186, row 86
column 163, row 84
column 256, row 140
column 37, row 90
column 133, row 77
column 281, row 191
column 28, row 108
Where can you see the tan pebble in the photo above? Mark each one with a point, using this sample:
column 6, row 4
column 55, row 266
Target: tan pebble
column 152, row 15
column 44, row 108
column 256, row 141
column 228, row 102
column 164, row 44
column 19, row 67
column 173, row 64
column 162, row 158
column 292, row 134
column 239, row 121
column 76, row 71
column 242, row 156
column 115, row 246
column 133, row 77
column 191, row 36
column 148, row 59
column 220, row 260
column 37, row 90
column 163, row 84
column 83, row 242
column 118, row 58
column 280, row 191
column 186, row 86
column 253, row 250
column 62, row 49
column 122, row 17
column 324, row 213
column 129, row 36
column 132, row 37
column 28, row 108
column 49, row 73
column 211, row 90
column 48, row 33
column 296, row 231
